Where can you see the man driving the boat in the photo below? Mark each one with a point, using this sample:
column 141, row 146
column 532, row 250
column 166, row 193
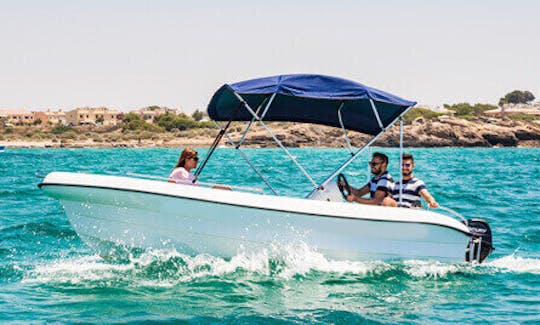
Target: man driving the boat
column 380, row 186
column 412, row 188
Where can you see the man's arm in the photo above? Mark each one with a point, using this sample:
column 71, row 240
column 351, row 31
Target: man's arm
column 361, row 191
column 377, row 198
column 358, row 193
column 429, row 199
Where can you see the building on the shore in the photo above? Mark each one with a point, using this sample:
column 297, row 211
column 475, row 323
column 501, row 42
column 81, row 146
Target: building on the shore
column 17, row 117
column 48, row 117
column 93, row 116
column 531, row 109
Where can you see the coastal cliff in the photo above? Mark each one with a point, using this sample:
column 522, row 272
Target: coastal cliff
column 438, row 132
column 443, row 131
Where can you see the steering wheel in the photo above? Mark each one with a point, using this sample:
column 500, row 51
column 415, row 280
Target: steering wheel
column 343, row 186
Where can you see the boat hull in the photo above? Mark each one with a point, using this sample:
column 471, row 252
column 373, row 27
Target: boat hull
column 199, row 220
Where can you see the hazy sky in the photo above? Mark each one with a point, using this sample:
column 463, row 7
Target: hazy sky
column 130, row 54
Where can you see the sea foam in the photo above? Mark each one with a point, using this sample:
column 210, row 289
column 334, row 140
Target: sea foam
column 169, row 267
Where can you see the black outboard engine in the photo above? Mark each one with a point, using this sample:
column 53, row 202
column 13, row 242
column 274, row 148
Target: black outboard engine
column 480, row 245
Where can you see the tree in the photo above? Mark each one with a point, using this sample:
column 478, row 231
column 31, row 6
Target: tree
column 171, row 121
column 99, row 120
column 517, row 97
column 133, row 121
column 197, row 115
column 37, row 121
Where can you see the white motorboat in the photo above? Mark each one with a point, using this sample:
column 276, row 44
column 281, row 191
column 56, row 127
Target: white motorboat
column 195, row 219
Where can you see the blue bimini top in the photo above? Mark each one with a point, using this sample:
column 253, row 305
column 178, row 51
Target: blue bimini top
column 309, row 98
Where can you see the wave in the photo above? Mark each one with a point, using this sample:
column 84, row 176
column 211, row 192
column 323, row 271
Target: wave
column 39, row 229
column 515, row 264
column 169, row 267
column 164, row 268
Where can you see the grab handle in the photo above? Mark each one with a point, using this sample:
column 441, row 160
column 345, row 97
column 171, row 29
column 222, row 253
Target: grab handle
column 456, row 214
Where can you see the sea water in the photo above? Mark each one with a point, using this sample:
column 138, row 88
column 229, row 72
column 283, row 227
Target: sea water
column 47, row 274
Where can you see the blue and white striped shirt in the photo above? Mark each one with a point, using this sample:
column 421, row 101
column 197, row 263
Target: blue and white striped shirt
column 410, row 193
column 383, row 183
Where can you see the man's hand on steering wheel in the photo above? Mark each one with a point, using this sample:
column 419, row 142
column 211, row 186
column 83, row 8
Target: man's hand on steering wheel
column 345, row 188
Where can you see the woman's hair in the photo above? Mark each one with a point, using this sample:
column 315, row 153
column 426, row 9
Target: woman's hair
column 187, row 153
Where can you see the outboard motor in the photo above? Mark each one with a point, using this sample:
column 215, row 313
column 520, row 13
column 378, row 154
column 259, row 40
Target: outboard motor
column 480, row 245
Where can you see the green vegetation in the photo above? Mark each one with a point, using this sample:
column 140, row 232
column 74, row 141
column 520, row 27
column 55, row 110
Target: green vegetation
column 37, row 121
column 163, row 122
column 133, row 122
column 524, row 117
column 197, row 115
column 62, row 129
column 465, row 109
column 170, row 121
column 517, row 97
column 417, row 112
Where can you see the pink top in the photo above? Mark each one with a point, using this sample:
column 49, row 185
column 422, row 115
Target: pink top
column 181, row 175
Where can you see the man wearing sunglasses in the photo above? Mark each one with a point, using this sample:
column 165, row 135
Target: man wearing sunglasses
column 380, row 186
column 412, row 188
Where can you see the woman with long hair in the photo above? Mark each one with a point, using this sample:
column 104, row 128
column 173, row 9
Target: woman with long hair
column 182, row 170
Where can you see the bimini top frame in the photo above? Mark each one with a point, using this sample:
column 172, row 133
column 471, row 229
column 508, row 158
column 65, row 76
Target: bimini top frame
column 304, row 98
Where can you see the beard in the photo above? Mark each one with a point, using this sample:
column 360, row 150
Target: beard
column 407, row 173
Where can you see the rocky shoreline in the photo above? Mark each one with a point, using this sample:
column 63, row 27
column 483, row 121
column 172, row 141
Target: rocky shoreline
column 438, row 132
column 443, row 131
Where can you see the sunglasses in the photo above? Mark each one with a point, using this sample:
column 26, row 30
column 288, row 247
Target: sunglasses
column 194, row 158
column 406, row 165
column 374, row 163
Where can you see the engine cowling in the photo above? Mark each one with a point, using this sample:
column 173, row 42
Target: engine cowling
column 481, row 244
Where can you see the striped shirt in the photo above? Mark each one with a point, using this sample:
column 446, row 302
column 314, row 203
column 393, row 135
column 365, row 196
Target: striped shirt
column 410, row 193
column 383, row 183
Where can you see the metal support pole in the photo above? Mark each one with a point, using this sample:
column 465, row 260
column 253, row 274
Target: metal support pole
column 289, row 154
column 376, row 114
column 253, row 119
column 400, row 160
column 345, row 164
column 243, row 155
column 268, row 105
column 343, row 128
column 214, row 145
column 352, row 158
column 276, row 140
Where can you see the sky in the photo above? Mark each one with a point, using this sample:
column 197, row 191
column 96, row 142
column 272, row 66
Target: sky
column 131, row 54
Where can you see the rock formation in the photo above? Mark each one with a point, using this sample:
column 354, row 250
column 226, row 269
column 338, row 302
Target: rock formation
column 443, row 131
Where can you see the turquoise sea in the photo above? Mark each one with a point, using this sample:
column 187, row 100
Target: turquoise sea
column 47, row 274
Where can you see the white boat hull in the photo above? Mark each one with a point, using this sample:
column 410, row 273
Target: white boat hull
column 194, row 220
